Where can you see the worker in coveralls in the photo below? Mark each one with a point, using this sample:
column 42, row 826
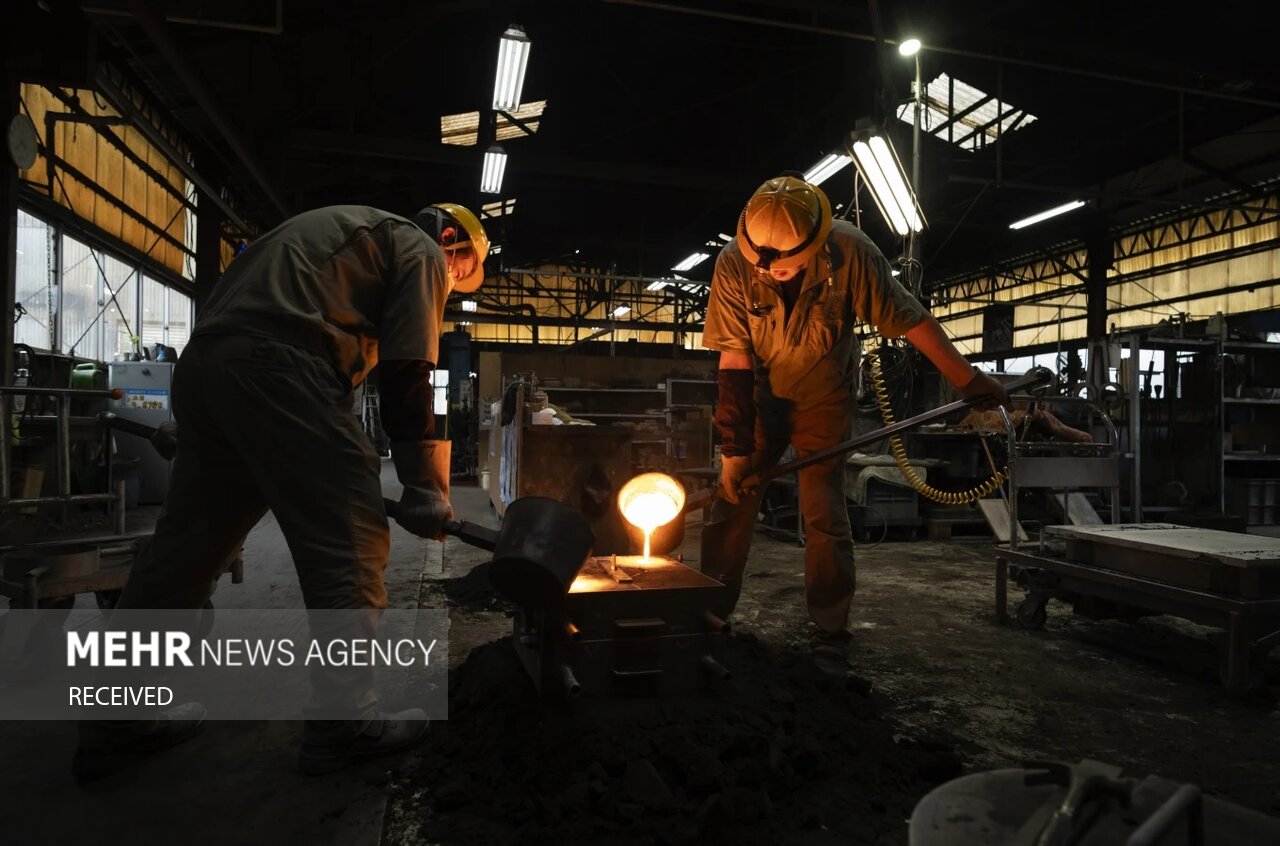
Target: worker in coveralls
column 786, row 297
column 263, row 399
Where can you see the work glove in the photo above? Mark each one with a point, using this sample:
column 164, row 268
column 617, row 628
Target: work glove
column 733, row 470
column 983, row 385
column 423, row 469
column 165, row 439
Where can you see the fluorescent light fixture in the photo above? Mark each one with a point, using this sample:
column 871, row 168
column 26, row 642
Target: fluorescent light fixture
column 691, row 262
column 621, row 310
column 513, row 58
column 1048, row 213
column 469, row 305
column 724, row 237
column 657, row 285
column 495, row 165
column 828, row 166
column 880, row 168
column 896, row 272
column 909, row 47
column 494, row 249
column 462, row 323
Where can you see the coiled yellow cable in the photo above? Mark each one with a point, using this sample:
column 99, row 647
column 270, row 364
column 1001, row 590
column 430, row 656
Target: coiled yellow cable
column 899, row 451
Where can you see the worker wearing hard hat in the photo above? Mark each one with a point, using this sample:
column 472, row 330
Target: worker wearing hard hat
column 786, row 297
column 263, row 397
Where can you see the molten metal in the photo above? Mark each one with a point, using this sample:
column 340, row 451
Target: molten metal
column 650, row 500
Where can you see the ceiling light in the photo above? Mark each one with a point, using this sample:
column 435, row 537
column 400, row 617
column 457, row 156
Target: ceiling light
column 909, row 47
column 827, row 167
column 495, row 165
column 691, row 262
column 469, row 305
column 1045, row 215
column 724, row 237
column 880, row 168
column 462, row 323
column 513, row 58
column 657, row 285
column 621, row 310
column 494, row 249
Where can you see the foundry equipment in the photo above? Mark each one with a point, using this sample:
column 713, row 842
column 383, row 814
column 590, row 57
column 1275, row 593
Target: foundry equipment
column 56, row 570
column 1222, row 579
column 617, row 625
column 606, row 625
column 1084, row 804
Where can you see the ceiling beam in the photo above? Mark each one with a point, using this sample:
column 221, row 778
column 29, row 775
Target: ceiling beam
column 416, row 150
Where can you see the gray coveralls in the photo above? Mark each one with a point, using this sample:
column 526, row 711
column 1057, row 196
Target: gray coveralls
column 806, row 367
column 263, row 399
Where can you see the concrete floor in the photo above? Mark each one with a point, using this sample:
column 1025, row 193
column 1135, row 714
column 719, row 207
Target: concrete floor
column 1143, row 696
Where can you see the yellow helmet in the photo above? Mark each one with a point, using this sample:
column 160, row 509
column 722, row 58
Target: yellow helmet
column 784, row 224
column 435, row 220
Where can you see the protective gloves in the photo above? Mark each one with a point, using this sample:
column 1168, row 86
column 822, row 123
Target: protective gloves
column 733, row 469
column 423, row 469
column 982, row 385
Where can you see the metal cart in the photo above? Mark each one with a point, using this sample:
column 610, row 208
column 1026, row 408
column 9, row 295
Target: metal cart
column 32, row 574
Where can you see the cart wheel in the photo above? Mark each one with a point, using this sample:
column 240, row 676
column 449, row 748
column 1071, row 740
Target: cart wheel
column 1031, row 614
column 107, row 599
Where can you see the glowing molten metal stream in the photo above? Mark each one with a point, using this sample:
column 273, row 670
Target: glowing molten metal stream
column 650, row 500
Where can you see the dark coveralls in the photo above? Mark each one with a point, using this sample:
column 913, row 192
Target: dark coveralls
column 263, row 399
column 806, row 365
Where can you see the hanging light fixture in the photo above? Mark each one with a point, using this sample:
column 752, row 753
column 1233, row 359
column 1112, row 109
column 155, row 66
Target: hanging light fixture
column 879, row 167
column 513, row 58
column 495, row 165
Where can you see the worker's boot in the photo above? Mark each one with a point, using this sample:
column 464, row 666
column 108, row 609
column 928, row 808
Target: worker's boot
column 108, row 747
column 329, row 747
column 830, row 651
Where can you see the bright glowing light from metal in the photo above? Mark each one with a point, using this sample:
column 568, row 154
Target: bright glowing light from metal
column 650, row 500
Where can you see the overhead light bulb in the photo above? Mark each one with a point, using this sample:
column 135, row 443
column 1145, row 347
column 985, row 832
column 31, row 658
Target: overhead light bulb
column 909, row 47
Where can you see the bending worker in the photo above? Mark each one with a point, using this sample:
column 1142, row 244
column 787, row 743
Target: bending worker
column 263, row 399
column 786, row 297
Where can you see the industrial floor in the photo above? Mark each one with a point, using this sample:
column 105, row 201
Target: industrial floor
column 948, row 691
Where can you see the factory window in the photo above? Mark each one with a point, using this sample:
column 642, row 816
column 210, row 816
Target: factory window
column 154, row 311
column 440, row 382
column 166, row 315
column 119, row 309
column 80, row 330
column 36, row 291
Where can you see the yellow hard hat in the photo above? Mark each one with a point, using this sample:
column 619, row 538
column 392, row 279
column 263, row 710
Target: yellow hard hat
column 784, row 224
column 433, row 219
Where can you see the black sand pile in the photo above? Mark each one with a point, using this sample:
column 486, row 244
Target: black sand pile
column 781, row 754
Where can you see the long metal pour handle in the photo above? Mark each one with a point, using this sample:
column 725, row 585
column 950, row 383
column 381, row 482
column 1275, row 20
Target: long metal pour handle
column 1034, row 377
column 464, row 530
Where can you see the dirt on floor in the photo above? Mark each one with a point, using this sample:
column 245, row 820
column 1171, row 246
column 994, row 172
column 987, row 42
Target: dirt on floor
column 785, row 754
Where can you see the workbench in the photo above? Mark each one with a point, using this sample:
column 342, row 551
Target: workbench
column 1221, row 579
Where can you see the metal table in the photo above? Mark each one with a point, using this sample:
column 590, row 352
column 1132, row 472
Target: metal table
column 1220, row 579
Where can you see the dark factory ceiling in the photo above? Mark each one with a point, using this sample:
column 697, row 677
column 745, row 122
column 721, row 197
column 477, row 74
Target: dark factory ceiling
column 661, row 118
